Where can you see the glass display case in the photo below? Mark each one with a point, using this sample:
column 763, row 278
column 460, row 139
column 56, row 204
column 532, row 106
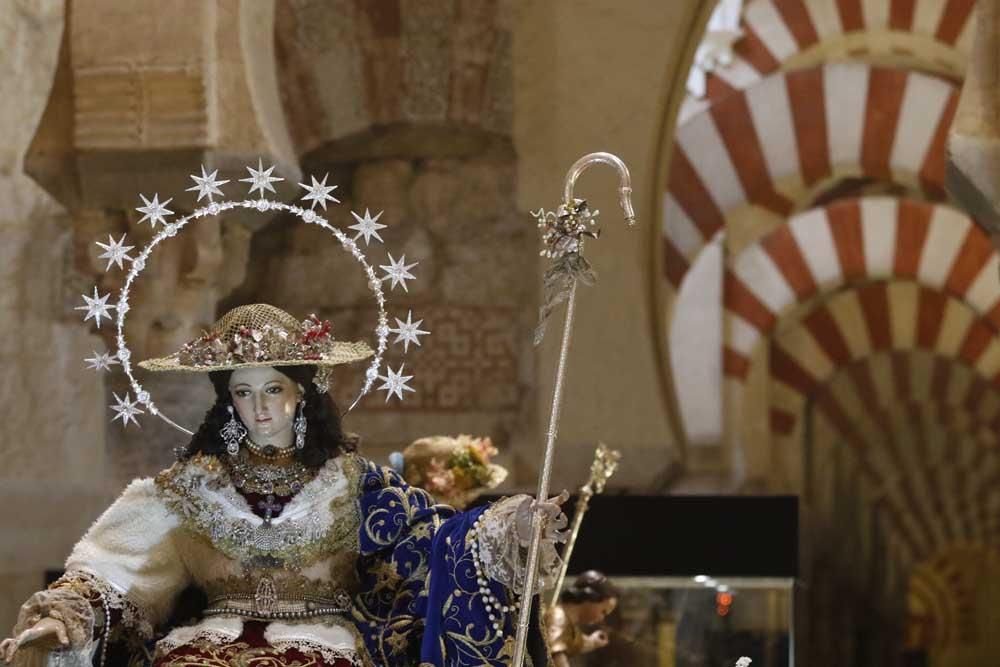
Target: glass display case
column 698, row 622
column 704, row 580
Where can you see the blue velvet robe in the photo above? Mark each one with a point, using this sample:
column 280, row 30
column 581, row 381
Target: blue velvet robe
column 420, row 601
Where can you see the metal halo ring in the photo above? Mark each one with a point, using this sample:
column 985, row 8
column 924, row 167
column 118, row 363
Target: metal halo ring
column 307, row 216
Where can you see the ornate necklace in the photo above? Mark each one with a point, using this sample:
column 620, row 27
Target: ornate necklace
column 265, row 479
column 270, row 452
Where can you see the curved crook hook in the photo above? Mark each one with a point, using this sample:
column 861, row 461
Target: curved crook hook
column 625, row 180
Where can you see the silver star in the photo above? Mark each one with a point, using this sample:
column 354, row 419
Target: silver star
column 261, row 179
column 395, row 383
column 319, row 193
column 398, row 272
column 367, row 226
column 206, row 184
column 101, row 362
column 97, row 307
column 407, row 332
column 115, row 251
column 154, row 210
column 126, row 409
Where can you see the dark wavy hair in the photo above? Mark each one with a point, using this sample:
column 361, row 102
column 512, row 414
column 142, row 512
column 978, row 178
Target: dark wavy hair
column 325, row 439
column 591, row 586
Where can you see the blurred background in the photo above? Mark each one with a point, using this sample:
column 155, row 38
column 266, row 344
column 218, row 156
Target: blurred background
column 801, row 310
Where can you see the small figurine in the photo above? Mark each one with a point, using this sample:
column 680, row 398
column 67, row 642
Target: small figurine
column 587, row 602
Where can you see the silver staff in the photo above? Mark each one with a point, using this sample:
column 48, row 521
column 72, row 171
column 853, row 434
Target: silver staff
column 563, row 233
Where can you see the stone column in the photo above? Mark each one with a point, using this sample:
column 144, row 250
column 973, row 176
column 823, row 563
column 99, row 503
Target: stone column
column 140, row 100
column 973, row 169
column 51, row 475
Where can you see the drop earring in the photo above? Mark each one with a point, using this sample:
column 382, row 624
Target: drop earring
column 233, row 433
column 300, row 425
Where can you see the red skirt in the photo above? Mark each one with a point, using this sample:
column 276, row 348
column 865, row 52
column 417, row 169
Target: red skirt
column 250, row 649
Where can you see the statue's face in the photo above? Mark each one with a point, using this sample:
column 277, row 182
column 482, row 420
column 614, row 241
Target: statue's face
column 265, row 400
column 594, row 613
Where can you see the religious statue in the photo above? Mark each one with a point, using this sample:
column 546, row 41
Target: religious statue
column 588, row 602
column 455, row 470
column 308, row 554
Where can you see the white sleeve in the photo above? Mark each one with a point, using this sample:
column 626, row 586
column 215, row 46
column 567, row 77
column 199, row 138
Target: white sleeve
column 132, row 549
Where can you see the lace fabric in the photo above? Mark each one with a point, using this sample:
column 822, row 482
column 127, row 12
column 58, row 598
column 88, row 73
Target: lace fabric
column 98, row 592
column 218, row 631
column 503, row 557
column 330, row 654
column 319, row 519
column 67, row 606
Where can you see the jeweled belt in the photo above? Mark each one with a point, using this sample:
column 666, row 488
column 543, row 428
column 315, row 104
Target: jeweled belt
column 256, row 607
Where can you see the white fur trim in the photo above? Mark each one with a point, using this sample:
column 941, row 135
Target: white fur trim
column 131, row 546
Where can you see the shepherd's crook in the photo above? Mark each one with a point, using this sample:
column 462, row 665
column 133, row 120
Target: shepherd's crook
column 562, row 234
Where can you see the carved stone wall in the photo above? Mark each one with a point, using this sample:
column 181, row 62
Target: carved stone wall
column 51, row 419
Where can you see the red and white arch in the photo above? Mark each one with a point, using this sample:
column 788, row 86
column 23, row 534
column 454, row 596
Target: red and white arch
column 852, row 242
column 772, row 145
column 750, row 160
column 929, row 35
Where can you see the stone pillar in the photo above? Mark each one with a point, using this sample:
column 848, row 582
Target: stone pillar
column 52, row 427
column 140, row 101
column 973, row 169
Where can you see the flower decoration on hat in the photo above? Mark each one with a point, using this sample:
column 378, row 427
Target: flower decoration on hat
column 255, row 335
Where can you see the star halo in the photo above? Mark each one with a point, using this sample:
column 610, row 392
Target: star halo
column 97, row 307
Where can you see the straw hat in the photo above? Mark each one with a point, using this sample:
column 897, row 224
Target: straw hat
column 261, row 335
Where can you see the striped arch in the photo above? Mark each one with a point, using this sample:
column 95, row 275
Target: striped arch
column 770, row 145
column 872, row 318
column 937, row 475
column 852, row 242
column 889, row 324
column 926, row 514
column 932, row 34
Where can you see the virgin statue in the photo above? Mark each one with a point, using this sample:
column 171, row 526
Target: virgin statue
column 306, row 553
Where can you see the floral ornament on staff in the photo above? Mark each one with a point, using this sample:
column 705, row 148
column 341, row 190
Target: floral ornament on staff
column 563, row 233
column 306, row 342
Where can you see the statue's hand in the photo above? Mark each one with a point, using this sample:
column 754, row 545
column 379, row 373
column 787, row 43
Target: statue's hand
column 46, row 634
column 554, row 522
column 595, row 640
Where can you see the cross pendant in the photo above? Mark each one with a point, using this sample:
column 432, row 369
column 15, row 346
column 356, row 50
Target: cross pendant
column 270, row 507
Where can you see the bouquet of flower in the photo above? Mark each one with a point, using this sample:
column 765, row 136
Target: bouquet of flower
column 453, row 469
